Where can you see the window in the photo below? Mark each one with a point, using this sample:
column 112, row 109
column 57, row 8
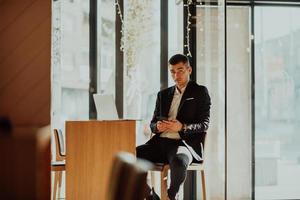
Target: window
column 277, row 113
column 70, row 61
column 106, row 47
column 239, row 126
column 210, row 72
column 141, row 63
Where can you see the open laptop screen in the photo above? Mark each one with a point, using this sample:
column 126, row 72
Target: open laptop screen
column 106, row 107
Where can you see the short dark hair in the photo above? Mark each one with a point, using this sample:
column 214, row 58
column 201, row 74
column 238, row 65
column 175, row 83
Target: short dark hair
column 178, row 58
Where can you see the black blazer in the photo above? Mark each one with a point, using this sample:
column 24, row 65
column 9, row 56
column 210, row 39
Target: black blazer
column 193, row 110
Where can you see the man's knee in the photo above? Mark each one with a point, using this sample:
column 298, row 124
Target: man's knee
column 143, row 151
column 180, row 161
column 139, row 151
column 150, row 153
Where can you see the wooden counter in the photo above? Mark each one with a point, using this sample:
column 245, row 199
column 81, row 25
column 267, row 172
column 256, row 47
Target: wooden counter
column 90, row 149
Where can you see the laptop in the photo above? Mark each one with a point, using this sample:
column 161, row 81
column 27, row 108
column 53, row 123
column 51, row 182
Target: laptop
column 106, row 107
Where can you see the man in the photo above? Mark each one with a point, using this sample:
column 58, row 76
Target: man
column 180, row 122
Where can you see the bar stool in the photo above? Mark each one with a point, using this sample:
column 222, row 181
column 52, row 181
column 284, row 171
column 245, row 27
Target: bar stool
column 163, row 169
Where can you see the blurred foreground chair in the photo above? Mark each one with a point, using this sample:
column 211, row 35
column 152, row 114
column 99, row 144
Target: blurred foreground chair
column 128, row 178
column 59, row 165
column 25, row 164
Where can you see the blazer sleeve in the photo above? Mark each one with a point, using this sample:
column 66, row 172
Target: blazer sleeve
column 203, row 113
column 156, row 113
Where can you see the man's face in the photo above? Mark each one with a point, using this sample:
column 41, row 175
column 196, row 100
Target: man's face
column 180, row 73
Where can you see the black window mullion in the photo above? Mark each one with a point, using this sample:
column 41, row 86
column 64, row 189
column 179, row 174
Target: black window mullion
column 93, row 58
column 119, row 79
column 252, row 55
column 163, row 44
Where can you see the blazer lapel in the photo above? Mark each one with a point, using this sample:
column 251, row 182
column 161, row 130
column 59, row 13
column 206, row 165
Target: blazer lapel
column 167, row 101
column 184, row 97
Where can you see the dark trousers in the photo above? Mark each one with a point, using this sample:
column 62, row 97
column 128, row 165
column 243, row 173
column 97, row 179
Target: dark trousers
column 172, row 152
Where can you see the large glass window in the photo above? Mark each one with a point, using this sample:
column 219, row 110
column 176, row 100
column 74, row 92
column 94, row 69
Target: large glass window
column 70, row 61
column 141, row 62
column 277, row 97
column 175, row 27
column 210, row 72
column 106, row 46
column 70, row 64
column 239, row 143
column 175, row 30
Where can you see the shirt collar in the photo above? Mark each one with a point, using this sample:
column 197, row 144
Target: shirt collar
column 178, row 91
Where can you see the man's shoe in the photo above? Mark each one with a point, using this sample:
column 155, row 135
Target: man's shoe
column 172, row 197
column 153, row 195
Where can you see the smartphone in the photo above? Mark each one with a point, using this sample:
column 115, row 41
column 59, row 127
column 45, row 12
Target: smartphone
column 161, row 118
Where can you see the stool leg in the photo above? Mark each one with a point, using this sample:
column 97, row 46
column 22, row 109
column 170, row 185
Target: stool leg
column 59, row 182
column 55, row 183
column 203, row 185
column 152, row 175
column 164, row 184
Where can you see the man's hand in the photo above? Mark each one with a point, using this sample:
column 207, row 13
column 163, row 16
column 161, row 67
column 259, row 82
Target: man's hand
column 161, row 126
column 172, row 125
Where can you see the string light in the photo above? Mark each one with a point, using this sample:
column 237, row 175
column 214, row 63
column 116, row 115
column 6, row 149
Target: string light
column 119, row 11
column 188, row 29
column 136, row 25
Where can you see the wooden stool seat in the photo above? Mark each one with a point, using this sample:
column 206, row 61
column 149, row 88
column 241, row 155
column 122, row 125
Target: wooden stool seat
column 58, row 166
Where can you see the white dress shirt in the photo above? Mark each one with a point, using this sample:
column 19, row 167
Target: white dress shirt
column 173, row 112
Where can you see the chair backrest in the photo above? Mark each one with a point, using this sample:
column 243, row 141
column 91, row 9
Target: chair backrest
column 59, row 145
column 128, row 178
